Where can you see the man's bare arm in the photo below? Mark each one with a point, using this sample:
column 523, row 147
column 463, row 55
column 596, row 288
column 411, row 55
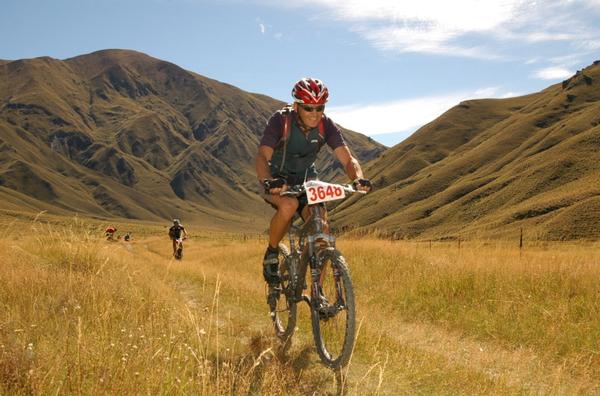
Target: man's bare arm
column 350, row 164
column 262, row 162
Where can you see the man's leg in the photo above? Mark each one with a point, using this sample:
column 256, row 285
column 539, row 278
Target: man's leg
column 286, row 207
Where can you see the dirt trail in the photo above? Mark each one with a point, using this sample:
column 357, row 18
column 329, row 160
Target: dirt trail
column 393, row 356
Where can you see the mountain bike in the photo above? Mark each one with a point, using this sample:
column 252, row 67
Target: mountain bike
column 179, row 248
column 331, row 298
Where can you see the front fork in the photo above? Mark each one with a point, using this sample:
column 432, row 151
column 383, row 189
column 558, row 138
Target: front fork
column 320, row 239
column 317, row 269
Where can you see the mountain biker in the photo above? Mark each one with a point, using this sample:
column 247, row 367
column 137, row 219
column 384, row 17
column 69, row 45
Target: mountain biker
column 176, row 231
column 285, row 161
column 110, row 232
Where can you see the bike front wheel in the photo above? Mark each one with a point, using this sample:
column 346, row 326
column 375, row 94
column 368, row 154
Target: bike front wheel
column 333, row 312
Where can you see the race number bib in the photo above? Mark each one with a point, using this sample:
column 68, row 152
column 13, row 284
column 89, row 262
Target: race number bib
column 318, row 191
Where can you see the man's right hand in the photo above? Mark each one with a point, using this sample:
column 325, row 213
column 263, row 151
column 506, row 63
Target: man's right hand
column 274, row 186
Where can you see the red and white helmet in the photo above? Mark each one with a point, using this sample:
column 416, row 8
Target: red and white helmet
column 310, row 91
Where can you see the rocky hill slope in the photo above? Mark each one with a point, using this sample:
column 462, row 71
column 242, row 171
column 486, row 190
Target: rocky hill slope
column 487, row 168
column 117, row 133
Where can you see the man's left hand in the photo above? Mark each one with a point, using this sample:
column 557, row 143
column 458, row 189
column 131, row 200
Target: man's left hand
column 362, row 185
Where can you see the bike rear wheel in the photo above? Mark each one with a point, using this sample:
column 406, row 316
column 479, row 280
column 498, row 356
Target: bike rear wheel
column 333, row 316
column 179, row 252
column 284, row 309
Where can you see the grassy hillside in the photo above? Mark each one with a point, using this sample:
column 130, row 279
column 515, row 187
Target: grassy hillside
column 491, row 167
column 117, row 133
column 84, row 315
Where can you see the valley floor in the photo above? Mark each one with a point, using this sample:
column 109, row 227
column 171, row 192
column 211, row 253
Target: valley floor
column 87, row 316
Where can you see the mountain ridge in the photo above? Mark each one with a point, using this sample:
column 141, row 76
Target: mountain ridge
column 119, row 133
column 490, row 167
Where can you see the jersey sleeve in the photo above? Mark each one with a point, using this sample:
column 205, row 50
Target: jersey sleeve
column 333, row 134
column 273, row 130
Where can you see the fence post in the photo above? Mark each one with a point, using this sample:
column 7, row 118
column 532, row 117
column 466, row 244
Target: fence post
column 521, row 239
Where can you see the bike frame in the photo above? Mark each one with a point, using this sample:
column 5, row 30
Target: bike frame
column 309, row 235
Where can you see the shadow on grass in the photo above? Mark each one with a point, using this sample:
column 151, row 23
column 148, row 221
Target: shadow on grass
column 262, row 370
column 297, row 370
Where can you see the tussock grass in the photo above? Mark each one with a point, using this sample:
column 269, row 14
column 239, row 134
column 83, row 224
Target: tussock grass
column 542, row 300
column 80, row 315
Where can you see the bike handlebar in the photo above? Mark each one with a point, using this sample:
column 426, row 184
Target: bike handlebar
column 298, row 190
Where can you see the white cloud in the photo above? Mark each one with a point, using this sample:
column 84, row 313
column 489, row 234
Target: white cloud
column 553, row 73
column 452, row 28
column 589, row 45
column 566, row 61
column 432, row 41
column 536, row 37
column 403, row 115
column 262, row 28
column 426, row 26
column 462, row 15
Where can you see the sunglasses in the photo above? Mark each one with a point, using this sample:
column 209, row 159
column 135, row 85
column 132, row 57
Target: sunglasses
column 310, row 109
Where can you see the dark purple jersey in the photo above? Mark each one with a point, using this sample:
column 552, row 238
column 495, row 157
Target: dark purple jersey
column 274, row 130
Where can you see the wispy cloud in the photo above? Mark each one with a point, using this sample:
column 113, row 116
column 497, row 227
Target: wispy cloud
column 267, row 30
column 425, row 26
column 465, row 28
column 552, row 73
column 404, row 115
column 261, row 26
column 436, row 41
column 589, row 44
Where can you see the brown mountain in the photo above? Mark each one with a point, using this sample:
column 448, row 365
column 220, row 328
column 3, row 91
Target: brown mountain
column 487, row 168
column 117, row 133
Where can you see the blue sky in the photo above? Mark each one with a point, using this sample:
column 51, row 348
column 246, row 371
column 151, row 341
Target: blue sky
column 391, row 65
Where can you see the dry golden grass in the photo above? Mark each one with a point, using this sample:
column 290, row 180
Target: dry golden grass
column 524, row 318
column 80, row 315
column 84, row 315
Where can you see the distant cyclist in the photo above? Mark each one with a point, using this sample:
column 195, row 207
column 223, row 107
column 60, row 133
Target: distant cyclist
column 110, row 232
column 177, row 231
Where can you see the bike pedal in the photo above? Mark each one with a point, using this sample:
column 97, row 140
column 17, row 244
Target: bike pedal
column 327, row 312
